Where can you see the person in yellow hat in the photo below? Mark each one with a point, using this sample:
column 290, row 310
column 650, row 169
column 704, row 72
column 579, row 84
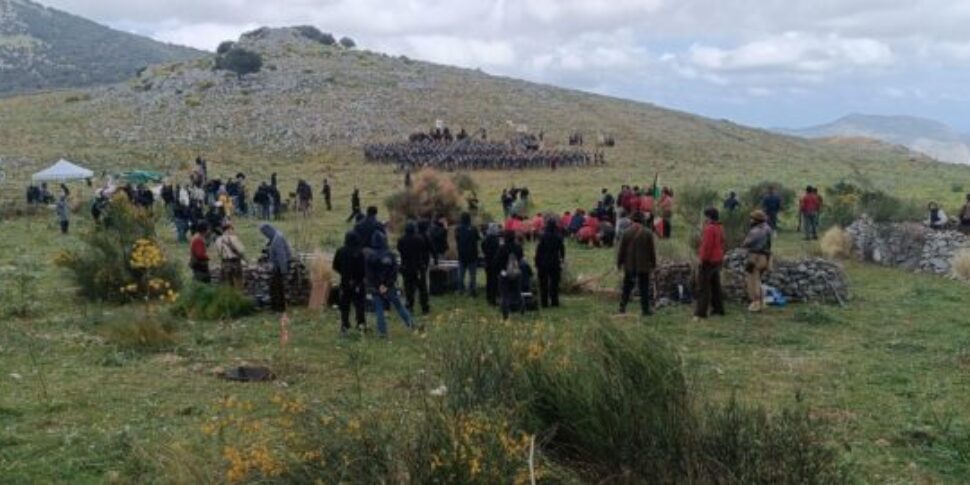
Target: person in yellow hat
column 758, row 245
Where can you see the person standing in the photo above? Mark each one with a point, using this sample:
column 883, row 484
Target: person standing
column 63, row 213
column 181, row 216
column 467, row 238
column 732, row 203
column 758, row 245
column 667, row 211
column 771, row 205
column 198, row 254
column 382, row 272
column 490, row 247
column 350, row 264
column 326, row 192
column 279, row 258
column 809, row 208
column 438, row 235
column 355, row 207
column 550, row 256
column 415, row 251
column 637, row 258
column 368, row 226
column 508, row 263
column 231, row 253
column 710, row 296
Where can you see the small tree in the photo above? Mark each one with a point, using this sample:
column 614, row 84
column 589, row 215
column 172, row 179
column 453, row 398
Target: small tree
column 225, row 47
column 314, row 33
column 240, row 61
column 347, row 43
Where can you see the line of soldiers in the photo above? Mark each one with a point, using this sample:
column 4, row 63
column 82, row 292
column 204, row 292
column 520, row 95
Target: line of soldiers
column 474, row 155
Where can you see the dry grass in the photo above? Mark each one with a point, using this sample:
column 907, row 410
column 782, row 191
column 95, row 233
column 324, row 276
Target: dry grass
column 961, row 265
column 836, row 243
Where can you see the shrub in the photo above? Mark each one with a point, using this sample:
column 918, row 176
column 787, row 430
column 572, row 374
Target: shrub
column 119, row 260
column 138, row 333
column 315, row 34
column 209, row 302
column 752, row 198
column 692, row 200
column 239, row 61
column 836, row 243
column 961, row 265
column 431, row 193
column 19, row 297
column 225, row 47
column 347, row 43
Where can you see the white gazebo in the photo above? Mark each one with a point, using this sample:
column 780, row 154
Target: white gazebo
column 62, row 171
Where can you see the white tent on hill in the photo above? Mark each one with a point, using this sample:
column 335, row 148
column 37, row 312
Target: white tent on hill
column 62, row 171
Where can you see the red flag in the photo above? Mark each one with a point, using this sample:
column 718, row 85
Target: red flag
column 284, row 330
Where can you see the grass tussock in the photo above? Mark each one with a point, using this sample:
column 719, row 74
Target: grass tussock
column 140, row 334
column 961, row 265
column 208, row 302
column 836, row 243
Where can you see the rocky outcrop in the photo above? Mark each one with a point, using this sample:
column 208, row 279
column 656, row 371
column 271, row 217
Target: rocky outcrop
column 910, row 246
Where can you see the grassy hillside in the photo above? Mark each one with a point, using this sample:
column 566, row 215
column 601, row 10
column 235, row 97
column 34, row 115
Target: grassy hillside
column 42, row 48
column 313, row 102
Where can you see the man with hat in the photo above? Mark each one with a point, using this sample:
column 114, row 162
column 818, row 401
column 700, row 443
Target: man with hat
column 231, row 253
column 758, row 245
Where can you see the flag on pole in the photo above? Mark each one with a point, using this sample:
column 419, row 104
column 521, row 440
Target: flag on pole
column 284, row 330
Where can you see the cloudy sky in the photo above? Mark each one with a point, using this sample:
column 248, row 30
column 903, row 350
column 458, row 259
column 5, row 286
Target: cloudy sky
column 758, row 62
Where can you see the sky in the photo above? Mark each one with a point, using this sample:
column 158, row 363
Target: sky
column 766, row 63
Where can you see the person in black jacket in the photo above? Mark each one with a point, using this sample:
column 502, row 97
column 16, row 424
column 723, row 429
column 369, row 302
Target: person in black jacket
column 354, row 205
column 415, row 253
column 438, row 234
column 467, row 238
column 366, row 228
column 508, row 262
column 550, row 255
column 382, row 271
column 490, row 248
column 326, row 194
column 350, row 264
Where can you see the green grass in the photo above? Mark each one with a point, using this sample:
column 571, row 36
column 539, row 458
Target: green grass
column 890, row 372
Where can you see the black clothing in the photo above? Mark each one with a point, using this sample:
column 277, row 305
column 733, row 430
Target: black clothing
column 640, row 280
column 349, row 263
column 490, row 248
column 366, row 228
column 710, row 296
column 467, row 238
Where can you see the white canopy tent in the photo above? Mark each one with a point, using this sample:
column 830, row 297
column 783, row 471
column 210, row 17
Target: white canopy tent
column 62, row 171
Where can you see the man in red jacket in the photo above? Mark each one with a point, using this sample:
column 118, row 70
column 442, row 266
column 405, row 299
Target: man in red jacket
column 810, row 207
column 709, row 293
column 198, row 256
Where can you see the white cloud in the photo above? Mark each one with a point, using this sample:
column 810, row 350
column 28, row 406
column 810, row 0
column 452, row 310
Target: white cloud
column 793, row 52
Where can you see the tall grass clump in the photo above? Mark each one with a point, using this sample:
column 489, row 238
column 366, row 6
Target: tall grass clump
column 961, row 265
column 431, row 194
column 209, row 302
column 836, row 243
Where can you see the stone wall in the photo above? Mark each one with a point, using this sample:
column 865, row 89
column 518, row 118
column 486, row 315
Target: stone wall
column 809, row 280
column 256, row 278
column 910, row 246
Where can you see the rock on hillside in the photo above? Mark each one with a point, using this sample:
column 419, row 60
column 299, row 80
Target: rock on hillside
column 42, row 48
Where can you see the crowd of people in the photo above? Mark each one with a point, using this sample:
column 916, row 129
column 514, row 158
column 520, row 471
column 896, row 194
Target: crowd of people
column 470, row 154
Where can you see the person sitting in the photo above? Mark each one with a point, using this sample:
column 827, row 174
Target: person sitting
column 937, row 218
column 590, row 232
column 965, row 217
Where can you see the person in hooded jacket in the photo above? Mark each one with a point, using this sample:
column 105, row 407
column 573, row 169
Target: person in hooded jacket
column 350, row 264
column 467, row 239
column 507, row 263
column 278, row 251
column 382, row 271
column 415, row 253
column 490, row 248
column 550, row 255
column 366, row 228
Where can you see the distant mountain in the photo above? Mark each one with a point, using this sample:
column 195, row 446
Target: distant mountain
column 42, row 48
column 929, row 137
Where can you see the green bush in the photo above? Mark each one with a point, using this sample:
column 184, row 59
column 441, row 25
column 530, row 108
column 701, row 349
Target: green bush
column 239, row 61
column 225, row 47
column 209, row 302
column 347, row 43
column 315, row 34
column 692, row 200
column 138, row 333
column 752, row 198
column 103, row 269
